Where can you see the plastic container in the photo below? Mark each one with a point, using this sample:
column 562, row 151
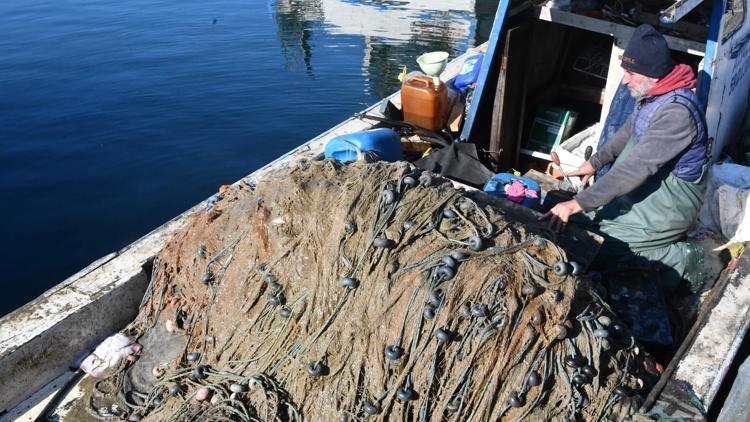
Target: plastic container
column 353, row 146
column 425, row 104
column 496, row 186
column 469, row 72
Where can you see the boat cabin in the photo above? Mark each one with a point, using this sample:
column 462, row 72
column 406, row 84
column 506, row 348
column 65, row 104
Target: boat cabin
column 567, row 57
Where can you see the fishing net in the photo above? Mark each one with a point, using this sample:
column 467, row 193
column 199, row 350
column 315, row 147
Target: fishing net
column 367, row 291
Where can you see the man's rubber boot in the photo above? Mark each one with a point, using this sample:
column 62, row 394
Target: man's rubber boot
column 693, row 275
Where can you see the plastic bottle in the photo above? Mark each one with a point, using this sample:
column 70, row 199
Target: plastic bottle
column 469, row 72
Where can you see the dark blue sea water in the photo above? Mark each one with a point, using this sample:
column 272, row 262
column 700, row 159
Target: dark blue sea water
column 115, row 116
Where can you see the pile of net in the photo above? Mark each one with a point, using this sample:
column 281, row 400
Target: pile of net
column 367, row 291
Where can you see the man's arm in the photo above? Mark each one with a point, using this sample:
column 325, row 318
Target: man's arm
column 671, row 131
column 614, row 146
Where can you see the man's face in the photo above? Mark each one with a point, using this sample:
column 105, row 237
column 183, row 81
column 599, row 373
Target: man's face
column 638, row 84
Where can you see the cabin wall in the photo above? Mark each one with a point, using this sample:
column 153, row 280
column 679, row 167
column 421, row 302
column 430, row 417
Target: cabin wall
column 544, row 54
column 614, row 77
column 728, row 96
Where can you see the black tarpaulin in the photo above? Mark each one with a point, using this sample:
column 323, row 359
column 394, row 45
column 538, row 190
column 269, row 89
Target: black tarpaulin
column 460, row 162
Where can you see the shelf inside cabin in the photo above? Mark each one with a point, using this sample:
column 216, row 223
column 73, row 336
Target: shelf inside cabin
column 617, row 30
column 535, row 154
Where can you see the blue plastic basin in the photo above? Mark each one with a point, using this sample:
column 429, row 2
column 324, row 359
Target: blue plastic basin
column 351, row 147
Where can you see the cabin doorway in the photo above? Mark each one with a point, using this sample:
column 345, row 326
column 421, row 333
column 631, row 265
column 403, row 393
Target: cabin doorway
column 554, row 81
column 548, row 70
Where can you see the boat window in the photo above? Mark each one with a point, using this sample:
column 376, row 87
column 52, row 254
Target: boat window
column 734, row 16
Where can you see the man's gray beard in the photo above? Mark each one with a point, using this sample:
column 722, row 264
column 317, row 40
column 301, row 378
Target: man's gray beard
column 640, row 90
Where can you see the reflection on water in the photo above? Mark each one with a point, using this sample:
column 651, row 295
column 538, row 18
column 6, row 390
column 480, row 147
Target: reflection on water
column 296, row 20
column 394, row 32
column 115, row 116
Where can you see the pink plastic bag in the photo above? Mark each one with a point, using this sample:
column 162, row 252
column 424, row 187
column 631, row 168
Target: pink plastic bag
column 517, row 192
column 109, row 354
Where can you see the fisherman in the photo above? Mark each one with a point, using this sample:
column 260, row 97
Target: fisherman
column 645, row 204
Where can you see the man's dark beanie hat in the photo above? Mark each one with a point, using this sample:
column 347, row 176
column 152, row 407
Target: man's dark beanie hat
column 647, row 53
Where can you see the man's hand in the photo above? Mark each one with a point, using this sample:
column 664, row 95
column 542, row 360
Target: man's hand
column 560, row 214
column 585, row 171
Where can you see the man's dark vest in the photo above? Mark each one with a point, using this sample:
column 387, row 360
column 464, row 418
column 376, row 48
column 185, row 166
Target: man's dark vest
column 688, row 165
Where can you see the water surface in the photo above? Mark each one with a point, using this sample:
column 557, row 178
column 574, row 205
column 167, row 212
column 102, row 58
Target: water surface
column 116, row 116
